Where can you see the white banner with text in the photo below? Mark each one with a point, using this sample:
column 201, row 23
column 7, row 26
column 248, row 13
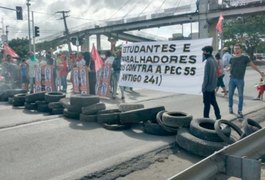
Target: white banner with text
column 174, row 66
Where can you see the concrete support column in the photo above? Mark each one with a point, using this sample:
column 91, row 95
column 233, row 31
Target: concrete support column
column 113, row 42
column 98, row 42
column 85, row 46
column 203, row 23
column 213, row 33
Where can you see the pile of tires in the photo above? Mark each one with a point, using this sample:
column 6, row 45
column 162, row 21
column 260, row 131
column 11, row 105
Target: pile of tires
column 73, row 106
column 19, row 99
column 111, row 118
column 205, row 135
column 32, row 101
column 201, row 138
column 167, row 123
column 46, row 102
column 8, row 94
column 3, row 89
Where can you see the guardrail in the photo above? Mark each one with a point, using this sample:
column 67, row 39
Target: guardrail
column 238, row 160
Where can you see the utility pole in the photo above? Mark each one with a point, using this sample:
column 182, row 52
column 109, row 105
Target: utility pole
column 7, row 33
column 66, row 29
column 28, row 4
column 3, row 29
column 33, row 33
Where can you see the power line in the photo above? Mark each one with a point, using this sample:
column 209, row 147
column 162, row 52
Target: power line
column 131, row 10
column 144, row 9
column 161, row 5
column 119, row 9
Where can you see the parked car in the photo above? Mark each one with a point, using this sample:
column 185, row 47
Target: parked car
column 259, row 56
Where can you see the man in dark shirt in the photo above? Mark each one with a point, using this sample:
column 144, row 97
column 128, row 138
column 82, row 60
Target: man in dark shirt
column 209, row 83
column 239, row 63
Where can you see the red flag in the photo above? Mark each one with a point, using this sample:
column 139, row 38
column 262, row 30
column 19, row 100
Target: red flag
column 219, row 25
column 97, row 59
column 9, row 51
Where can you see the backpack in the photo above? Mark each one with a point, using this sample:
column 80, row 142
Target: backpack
column 219, row 70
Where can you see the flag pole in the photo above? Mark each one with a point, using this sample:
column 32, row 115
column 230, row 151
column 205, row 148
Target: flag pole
column 219, row 28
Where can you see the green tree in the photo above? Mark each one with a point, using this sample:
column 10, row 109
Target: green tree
column 20, row 46
column 246, row 30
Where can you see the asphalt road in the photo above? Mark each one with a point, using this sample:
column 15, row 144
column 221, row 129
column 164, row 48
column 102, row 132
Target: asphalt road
column 38, row 146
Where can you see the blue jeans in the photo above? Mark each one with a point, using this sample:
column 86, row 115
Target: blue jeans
column 64, row 83
column 239, row 84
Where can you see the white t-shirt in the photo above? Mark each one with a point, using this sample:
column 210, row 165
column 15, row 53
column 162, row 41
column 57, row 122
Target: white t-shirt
column 109, row 60
column 81, row 63
column 32, row 65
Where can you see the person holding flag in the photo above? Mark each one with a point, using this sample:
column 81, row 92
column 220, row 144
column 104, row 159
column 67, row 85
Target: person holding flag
column 97, row 64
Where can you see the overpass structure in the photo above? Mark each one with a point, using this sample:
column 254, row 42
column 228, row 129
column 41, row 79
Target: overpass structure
column 206, row 15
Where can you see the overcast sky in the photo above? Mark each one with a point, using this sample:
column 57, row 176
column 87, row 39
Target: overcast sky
column 84, row 12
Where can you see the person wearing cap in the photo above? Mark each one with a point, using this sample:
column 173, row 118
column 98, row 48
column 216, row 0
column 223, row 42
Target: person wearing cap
column 226, row 63
column 239, row 63
column 209, row 83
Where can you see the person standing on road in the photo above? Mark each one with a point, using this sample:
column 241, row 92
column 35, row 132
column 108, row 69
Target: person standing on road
column 116, row 65
column 226, row 62
column 24, row 73
column 239, row 63
column 220, row 74
column 209, row 83
column 109, row 62
column 32, row 62
column 63, row 71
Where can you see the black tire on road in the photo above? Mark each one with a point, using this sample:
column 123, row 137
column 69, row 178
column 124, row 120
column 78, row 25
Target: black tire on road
column 203, row 128
column 196, row 145
column 41, row 102
column 65, row 102
column 43, row 108
column 222, row 135
column 176, row 119
column 55, row 105
column 57, row 111
column 70, row 114
column 129, row 106
column 140, row 115
column 250, row 126
column 161, row 123
column 10, row 100
column 54, row 96
column 88, row 118
column 18, row 103
column 20, row 97
column 155, row 129
column 83, row 100
column 30, row 106
column 109, row 118
column 31, row 98
column 116, row 127
column 11, row 92
column 93, row 109
column 19, row 100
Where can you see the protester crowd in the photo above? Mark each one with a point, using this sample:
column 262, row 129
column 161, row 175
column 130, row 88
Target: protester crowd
column 221, row 70
column 21, row 73
column 228, row 73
